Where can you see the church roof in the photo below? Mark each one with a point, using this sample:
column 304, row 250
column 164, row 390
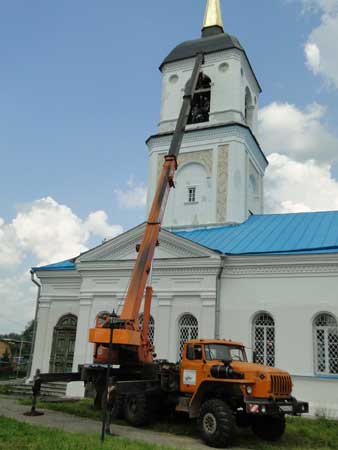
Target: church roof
column 63, row 265
column 298, row 233
column 207, row 44
column 275, row 234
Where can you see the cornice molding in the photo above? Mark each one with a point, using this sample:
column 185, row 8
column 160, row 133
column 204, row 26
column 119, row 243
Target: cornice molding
column 122, row 245
column 169, row 267
column 212, row 134
column 281, row 265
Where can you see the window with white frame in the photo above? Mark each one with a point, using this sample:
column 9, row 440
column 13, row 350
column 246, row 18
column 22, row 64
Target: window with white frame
column 264, row 339
column 151, row 328
column 325, row 328
column 187, row 329
column 192, row 194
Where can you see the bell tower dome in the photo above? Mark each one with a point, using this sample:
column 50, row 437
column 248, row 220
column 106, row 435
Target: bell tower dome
column 221, row 165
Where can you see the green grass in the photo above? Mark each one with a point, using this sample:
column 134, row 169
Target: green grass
column 5, row 389
column 20, row 436
column 301, row 434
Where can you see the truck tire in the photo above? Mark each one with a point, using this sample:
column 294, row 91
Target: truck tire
column 269, row 428
column 136, row 410
column 216, row 423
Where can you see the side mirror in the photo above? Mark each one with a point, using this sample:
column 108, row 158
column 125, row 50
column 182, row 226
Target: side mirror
column 227, row 362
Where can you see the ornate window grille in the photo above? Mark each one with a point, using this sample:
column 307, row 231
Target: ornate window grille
column 151, row 331
column 187, row 329
column 325, row 329
column 264, row 339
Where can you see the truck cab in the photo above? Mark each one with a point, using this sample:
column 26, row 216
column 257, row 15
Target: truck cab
column 218, row 382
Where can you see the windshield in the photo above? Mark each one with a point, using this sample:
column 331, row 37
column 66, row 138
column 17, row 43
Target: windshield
column 224, row 352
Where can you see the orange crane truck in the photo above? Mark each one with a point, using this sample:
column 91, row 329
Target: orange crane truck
column 213, row 383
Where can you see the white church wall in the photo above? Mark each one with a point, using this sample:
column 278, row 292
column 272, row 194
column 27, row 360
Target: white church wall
column 183, row 210
column 254, row 189
column 59, row 297
column 247, row 80
column 237, row 210
column 293, row 292
column 321, row 393
column 230, row 75
column 202, row 147
column 40, row 358
column 51, row 310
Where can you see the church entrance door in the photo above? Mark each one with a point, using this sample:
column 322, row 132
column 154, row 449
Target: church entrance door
column 64, row 336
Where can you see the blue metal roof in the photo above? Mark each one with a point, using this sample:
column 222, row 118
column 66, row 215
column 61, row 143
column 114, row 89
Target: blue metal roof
column 63, row 265
column 301, row 233
column 298, row 233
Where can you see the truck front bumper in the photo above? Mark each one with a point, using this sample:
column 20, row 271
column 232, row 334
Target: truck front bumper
column 271, row 407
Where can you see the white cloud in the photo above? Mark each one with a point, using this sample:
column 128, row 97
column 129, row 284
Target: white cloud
column 134, row 196
column 42, row 232
column 10, row 253
column 97, row 224
column 17, row 294
column 52, row 232
column 301, row 151
column 321, row 47
column 299, row 134
column 325, row 38
column 327, row 6
column 293, row 186
column 312, row 54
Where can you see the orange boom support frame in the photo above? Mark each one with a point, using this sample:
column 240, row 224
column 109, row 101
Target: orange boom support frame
column 130, row 344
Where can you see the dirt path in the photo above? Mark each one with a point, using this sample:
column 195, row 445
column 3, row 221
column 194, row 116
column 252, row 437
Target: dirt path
column 10, row 408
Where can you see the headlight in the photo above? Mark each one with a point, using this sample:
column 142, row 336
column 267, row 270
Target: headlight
column 249, row 390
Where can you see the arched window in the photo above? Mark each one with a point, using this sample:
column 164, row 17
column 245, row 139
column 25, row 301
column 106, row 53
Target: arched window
column 325, row 329
column 187, row 329
column 200, row 107
column 264, row 339
column 249, row 107
column 64, row 336
column 151, row 330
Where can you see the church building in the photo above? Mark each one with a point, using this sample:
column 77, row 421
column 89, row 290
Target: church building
column 223, row 269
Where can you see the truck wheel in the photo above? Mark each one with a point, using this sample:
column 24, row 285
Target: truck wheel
column 136, row 410
column 216, row 423
column 269, row 428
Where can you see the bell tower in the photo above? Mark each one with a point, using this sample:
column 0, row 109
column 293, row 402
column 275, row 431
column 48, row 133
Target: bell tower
column 221, row 165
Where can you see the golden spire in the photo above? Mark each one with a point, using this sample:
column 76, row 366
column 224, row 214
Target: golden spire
column 213, row 14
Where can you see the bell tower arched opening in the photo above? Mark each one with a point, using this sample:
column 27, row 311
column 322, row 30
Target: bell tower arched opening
column 200, row 108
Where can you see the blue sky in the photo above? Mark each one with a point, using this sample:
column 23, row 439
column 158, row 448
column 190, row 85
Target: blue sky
column 80, row 93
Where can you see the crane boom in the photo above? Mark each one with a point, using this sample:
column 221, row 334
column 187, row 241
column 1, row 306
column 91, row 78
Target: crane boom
column 127, row 332
column 165, row 182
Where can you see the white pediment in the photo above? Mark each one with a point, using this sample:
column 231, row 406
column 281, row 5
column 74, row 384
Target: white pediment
column 123, row 247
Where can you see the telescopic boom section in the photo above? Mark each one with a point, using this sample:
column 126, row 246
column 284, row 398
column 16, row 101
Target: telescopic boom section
column 149, row 242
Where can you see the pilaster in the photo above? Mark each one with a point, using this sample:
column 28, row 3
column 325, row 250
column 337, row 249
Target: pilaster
column 207, row 324
column 83, row 349
column 40, row 357
column 164, row 326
